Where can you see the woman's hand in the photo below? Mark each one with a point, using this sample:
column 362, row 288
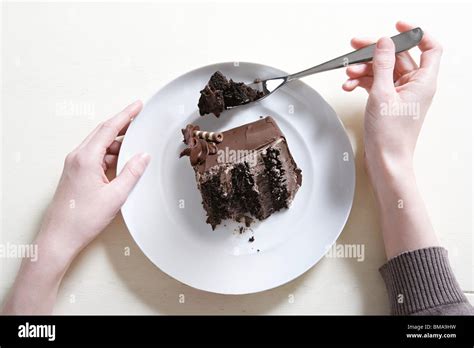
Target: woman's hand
column 85, row 202
column 400, row 93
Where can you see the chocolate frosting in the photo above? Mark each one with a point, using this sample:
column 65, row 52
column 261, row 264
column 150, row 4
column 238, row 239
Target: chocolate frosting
column 250, row 136
column 198, row 149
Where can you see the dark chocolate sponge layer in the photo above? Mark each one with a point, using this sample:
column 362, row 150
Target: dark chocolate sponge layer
column 220, row 93
column 262, row 180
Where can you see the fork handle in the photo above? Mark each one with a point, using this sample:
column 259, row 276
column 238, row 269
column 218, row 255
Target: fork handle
column 403, row 42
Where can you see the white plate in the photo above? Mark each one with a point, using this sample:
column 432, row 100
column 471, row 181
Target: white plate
column 288, row 243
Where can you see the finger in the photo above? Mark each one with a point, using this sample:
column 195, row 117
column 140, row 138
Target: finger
column 383, row 65
column 88, row 138
column 359, row 70
column 358, row 42
column 431, row 50
column 364, row 82
column 91, row 134
column 109, row 130
column 114, row 148
column 404, row 79
column 405, row 63
column 129, row 176
column 355, row 73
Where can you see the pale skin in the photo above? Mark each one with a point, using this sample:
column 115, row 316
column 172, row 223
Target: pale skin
column 86, row 201
column 389, row 141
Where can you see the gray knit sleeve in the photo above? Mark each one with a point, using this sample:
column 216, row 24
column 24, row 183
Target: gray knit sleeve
column 421, row 282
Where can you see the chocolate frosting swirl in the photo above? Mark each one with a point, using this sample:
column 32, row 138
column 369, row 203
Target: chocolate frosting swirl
column 198, row 149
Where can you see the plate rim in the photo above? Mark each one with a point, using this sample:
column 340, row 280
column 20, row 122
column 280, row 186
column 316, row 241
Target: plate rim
column 121, row 163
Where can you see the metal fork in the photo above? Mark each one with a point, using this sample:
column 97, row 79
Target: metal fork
column 403, row 42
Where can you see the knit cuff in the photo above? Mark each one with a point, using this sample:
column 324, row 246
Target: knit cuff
column 420, row 279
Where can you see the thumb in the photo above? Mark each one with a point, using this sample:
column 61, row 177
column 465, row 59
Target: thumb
column 130, row 174
column 383, row 65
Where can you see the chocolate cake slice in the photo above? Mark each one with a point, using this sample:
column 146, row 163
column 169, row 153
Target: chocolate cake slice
column 220, row 94
column 244, row 172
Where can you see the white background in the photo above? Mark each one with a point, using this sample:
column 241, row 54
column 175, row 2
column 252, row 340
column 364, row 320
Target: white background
column 99, row 57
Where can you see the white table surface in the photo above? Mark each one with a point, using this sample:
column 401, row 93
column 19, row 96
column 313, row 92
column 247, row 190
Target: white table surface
column 95, row 58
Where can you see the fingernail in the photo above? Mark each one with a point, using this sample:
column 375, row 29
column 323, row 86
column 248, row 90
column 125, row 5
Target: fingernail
column 406, row 23
column 350, row 83
column 145, row 157
column 384, row 43
column 134, row 105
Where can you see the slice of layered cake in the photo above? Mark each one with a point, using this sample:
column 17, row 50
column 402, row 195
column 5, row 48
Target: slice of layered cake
column 244, row 172
column 220, row 94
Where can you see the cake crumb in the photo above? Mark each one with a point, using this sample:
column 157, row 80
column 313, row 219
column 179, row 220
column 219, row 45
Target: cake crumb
column 248, row 220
